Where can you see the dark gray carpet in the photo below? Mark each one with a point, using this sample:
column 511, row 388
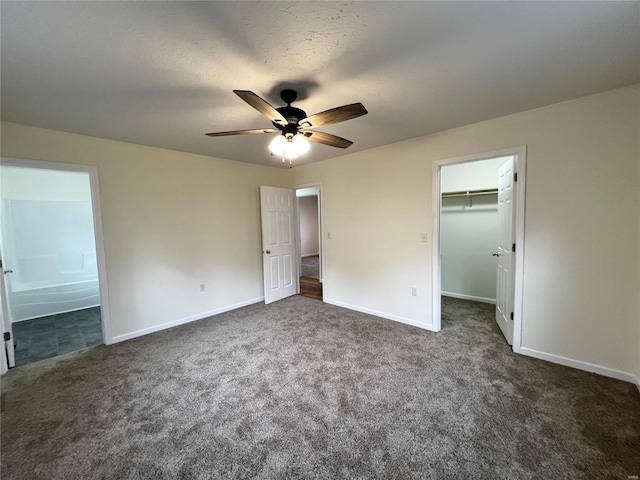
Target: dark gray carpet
column 311, row 267
column 301, row 389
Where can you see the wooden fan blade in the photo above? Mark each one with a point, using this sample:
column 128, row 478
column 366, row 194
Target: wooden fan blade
column 335, row 115
column 242, row 132
column 327, row 139
column 261, row 105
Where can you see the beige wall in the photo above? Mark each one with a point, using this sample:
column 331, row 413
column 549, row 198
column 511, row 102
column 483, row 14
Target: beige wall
column 171, row 221
column 174, row 220
column 582, row 258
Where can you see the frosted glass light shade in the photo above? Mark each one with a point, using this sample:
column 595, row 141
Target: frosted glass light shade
column 301, row 144
column 289, row 148
column 277, row 145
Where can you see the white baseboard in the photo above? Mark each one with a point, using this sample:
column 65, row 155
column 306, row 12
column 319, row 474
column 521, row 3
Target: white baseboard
column 310, row 255
column 181, row 321
column 388, row 316
column 469, row 297
column 580, row 365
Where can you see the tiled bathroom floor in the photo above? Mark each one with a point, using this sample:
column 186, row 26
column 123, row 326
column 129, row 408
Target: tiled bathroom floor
column 55, row 335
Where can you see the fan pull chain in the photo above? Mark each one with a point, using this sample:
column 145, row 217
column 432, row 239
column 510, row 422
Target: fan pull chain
column 290, row 161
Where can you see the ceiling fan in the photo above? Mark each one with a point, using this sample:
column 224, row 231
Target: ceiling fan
column 294, row 126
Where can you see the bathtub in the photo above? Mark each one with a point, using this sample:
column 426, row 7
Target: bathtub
column 37, row 300
column 40, row 287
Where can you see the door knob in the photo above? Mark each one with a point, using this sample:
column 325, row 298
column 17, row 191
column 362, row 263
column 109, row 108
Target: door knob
column 267, row 252
column 8, row 271
column 495, row 254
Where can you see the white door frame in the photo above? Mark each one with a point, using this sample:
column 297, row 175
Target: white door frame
column 97, row 226
column 317, row 185
column 7, row 354
column 520, row 154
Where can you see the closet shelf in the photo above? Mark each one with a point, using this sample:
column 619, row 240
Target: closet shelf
column 465, row 193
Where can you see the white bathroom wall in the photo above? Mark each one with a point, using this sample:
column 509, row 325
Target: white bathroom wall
column 308, row 225
column 469, row 231
column 48, row 240
column 21, row 183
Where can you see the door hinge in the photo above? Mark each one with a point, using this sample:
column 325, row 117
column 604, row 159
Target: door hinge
column 515, row 177
column 513, row 247
column 7, row 336
column 511, row 316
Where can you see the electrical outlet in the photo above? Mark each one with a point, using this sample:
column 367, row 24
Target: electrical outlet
column 423, row 237
column 202, row 287
column 328, row 235
column 414, row 291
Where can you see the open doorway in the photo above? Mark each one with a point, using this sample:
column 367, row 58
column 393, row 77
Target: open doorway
column 469, row 230
column 478, row 237
column 51, row 260
column 310, row 241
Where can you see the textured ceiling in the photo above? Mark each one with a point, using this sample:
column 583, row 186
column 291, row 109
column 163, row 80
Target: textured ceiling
column 162, row 73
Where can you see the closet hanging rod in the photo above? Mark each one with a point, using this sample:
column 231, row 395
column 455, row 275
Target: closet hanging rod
column 464, row 193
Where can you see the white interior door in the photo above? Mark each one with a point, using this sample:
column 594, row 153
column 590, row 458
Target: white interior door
column 7, row 332
column 278, row 243
column 506, row 249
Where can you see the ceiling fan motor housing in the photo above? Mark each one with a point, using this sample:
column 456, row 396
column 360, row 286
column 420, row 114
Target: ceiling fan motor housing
column 292, row 114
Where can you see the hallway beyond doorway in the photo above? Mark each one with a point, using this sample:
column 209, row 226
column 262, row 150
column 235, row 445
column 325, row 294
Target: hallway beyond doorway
column 311, row 267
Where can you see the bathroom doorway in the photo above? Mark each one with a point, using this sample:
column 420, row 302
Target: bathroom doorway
column 50, row 260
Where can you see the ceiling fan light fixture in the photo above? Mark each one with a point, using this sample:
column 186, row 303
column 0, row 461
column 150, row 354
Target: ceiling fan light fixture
column 294, row 124
column 289, row 147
